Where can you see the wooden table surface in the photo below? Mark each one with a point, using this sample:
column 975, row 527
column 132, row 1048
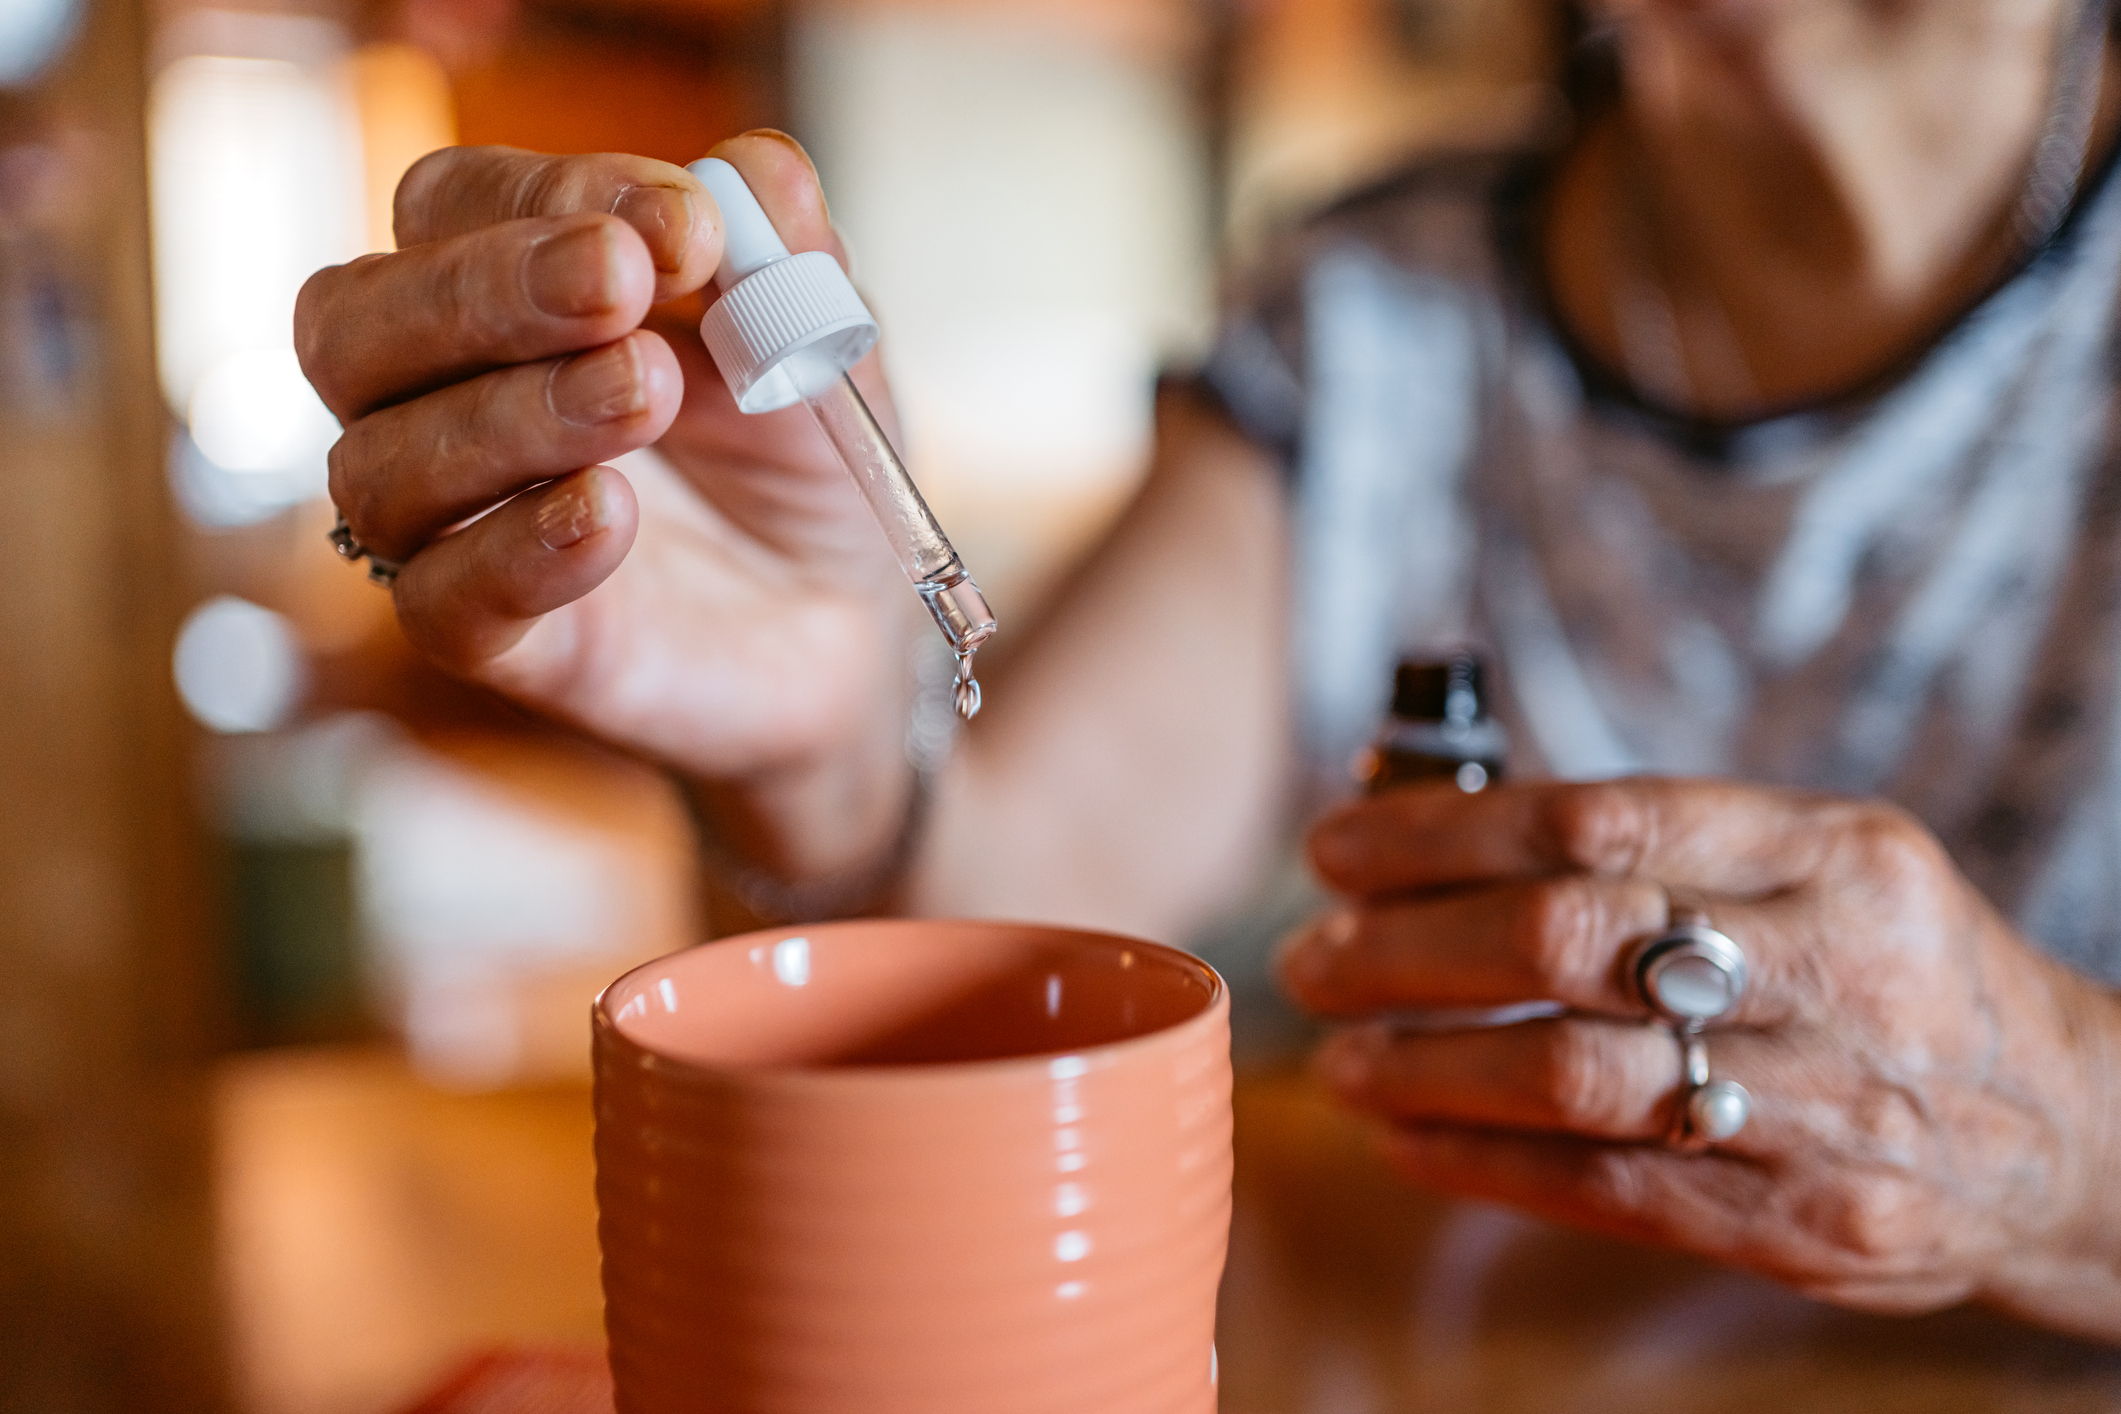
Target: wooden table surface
column 378, row 1234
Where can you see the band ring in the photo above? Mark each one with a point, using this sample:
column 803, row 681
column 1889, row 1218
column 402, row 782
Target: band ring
column 380, row 570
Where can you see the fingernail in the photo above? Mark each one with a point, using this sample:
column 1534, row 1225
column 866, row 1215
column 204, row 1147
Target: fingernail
column 663, row 216
column 776, row 135
column 572, row 514
column 570, row 275
column 598, row 387
column 1346, row 1062
column 1336, row 848
column 1307, row 957
column 1301, row 964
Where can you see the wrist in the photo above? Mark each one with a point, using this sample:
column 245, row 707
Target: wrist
column 740, row 894
column 809, row 819
column 831, row 836
column 2071, row 1279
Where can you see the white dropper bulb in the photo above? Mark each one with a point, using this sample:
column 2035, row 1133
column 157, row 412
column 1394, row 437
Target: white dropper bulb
column 749, row 242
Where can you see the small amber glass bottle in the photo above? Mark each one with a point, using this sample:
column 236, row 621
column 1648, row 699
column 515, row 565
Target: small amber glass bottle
column 1439, row 729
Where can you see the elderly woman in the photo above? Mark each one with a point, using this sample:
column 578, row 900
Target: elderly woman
column 1762, row 431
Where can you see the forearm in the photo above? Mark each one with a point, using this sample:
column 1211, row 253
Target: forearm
column 830, row 821
column 1129, row 769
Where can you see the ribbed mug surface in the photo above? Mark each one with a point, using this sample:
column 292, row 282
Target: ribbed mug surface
column 899, row 1166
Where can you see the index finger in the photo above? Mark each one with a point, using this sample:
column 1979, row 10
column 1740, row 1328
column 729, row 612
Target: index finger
column 1717, row 836
column 458, row 190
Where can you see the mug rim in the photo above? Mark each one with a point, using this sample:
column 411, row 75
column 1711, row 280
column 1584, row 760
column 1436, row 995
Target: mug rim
column 607, row 1031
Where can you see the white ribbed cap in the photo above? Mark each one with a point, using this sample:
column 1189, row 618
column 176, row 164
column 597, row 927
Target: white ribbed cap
column 786, row 325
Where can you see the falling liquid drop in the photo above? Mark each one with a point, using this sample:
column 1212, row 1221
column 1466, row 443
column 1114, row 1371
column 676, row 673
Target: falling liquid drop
column 966, row 698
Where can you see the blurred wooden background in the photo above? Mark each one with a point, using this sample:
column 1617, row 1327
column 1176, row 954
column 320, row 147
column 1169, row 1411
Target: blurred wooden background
column 108, row 985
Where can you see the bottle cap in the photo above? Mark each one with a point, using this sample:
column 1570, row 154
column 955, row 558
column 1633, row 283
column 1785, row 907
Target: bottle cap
column 786, row 325
column 1425, row 691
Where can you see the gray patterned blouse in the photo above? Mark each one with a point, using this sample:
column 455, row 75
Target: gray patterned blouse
column 1912, row 593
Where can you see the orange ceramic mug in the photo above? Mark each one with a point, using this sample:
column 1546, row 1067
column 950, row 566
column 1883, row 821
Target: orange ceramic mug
column 914, row 1168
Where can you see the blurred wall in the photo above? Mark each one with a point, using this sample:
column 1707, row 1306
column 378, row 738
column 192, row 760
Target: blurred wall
column 1023, row 191
column 107, row 1296
column 1324, row 95
column 666, row 80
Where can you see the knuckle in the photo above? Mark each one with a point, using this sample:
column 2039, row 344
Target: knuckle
column 336, row 312
column 464, row 301
column 1578, row 1076
column 556, row 186
column 478, row 439
column 1876, row 1219
column 339, row 481
column 1891, row 851
column 316, row 322
column 534, row 189
column 1887, row 1120
column 354, row 493
column 1617, row 1180
column 409, row 217
column 422, row 619
column 1563, row 925
column 312, row 324
column 1603, row 827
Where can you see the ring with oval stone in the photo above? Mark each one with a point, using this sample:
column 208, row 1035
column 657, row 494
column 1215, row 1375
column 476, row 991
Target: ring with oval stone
column 1689, row 975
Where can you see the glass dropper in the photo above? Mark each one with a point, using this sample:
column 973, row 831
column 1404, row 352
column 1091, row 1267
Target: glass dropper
column 787, row 329
column 923, row 551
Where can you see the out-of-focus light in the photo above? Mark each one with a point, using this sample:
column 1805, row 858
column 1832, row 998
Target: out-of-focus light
column 257, row 181
column 467, row 897
column 32, row 34
column 238, row 666
column 254, row 411
column 256, row 172
column 217, row 498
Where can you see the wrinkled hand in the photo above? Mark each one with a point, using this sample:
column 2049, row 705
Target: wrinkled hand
column 1933, row 1101
column 741, row 617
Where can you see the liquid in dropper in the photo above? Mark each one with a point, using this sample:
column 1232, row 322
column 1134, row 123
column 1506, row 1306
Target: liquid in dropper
column 961, row 612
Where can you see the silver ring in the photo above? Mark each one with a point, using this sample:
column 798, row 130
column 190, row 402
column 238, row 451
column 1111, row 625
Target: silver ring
column 380, row 570
column 1709, row 1111
column 1689, row 974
